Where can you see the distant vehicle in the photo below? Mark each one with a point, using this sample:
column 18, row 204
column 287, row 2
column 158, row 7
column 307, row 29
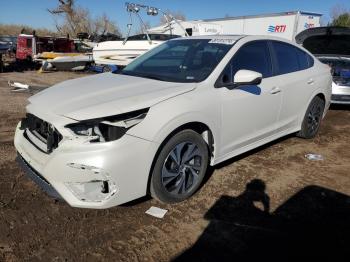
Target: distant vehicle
column 107, row 139
column 331, row 45
column 28, row 46
column 11, row 41
column 4, row 47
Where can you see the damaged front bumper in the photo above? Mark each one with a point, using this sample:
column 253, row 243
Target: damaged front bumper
column 37, row 178
column 89, row 175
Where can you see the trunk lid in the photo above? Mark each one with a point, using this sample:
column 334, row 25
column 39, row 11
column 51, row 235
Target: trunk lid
column 325, row 40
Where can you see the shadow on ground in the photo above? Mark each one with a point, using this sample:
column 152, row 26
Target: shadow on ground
column 312, row 225
column 342, row 107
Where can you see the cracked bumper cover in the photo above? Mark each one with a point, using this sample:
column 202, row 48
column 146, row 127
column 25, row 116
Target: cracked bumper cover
column 78, row 171
column 37, row 178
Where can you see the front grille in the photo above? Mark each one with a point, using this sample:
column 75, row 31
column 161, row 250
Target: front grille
column 43, row 131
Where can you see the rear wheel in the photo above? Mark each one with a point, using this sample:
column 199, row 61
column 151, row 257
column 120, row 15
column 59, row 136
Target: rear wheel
column 312, row 118
column 180, row 167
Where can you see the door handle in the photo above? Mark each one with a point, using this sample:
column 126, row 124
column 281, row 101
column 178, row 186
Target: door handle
column 310, row 82
column 275, row 90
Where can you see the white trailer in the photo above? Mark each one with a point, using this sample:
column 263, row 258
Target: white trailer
column 286, row 25
column 185, row 28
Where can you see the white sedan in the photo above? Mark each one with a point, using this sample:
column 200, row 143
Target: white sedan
column 154, row 128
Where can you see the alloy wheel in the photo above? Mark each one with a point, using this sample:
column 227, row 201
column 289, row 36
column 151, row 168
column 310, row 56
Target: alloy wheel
column 181, row 169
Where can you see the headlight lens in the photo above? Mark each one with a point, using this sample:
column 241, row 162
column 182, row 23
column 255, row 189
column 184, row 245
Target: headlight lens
column 109, row 128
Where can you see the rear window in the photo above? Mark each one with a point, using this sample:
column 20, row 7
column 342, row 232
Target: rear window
column 286, row 56
column 304, row 59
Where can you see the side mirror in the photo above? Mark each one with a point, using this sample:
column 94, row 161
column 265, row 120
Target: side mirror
column 247, row 77
column 242, row 77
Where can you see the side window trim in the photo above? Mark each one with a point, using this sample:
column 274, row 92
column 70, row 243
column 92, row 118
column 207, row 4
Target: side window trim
column 273, row 58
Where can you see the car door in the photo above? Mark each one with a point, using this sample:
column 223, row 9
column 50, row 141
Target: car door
column 296, row 81
column 249, row 112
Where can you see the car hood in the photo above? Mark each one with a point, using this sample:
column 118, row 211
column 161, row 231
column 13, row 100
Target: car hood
column 325, row 40
column 105, row 95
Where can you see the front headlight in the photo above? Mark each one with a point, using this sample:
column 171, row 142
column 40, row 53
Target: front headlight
column 108, row 128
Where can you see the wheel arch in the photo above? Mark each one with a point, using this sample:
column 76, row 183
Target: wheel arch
column 317, row 93
column 199, row 127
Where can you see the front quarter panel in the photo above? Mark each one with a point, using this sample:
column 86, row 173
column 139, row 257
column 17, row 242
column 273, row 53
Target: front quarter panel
column 200, row 105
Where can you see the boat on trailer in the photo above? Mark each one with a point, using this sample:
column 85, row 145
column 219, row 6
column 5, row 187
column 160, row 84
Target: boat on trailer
column 122, row 52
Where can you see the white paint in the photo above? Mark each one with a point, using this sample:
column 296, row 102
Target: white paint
column 238, row 120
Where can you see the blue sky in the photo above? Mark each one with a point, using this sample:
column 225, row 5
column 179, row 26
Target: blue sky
column 34, row 13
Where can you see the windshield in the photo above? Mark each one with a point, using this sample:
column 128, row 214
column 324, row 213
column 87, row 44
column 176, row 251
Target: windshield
column 185, row 60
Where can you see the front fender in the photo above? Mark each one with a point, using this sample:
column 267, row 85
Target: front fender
column 164, row 118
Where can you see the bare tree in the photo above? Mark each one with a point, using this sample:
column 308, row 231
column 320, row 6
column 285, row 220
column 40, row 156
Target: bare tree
column 338, row 10
column 77, row 19
column 142, row 28
column 103, row 24
column 15, row 29
column 340, row 15
column 177, row 15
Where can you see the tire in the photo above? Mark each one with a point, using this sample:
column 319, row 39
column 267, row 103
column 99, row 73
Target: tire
column 180, row 167
column 312, row 119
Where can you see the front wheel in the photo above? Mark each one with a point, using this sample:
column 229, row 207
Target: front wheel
column 180, row 167
column 312, row 118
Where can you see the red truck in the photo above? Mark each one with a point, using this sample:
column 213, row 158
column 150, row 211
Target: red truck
column 30, row 45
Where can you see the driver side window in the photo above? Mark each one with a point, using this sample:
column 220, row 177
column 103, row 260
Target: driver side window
column 254, row 56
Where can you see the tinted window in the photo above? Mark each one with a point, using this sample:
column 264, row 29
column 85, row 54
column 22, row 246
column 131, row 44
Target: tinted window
column 286, row 56
column 303, row 59
column 253, row 56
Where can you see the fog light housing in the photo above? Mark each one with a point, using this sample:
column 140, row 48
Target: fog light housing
column 92, row 191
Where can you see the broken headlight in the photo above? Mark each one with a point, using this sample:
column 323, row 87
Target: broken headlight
column 108, row 128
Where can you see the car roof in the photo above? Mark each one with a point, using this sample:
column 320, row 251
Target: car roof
column 232, row 37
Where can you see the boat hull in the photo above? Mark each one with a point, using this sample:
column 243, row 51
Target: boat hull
column 120, row 53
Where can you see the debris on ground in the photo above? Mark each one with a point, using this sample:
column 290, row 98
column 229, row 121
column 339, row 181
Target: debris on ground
column 314, row 157
column 156, row 212
column 18, row 86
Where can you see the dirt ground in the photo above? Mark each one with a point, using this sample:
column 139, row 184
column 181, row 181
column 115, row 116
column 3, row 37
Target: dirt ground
column 269, row 204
